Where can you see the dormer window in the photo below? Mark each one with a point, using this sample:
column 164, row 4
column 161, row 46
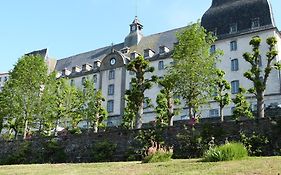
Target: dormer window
column 214, row 32
column 134, row 55
column 148, row 53
column 255, row 23
column 65, row 72
column 86, row 67
column 97, row 64
column 75, row 69
column 233, row 28
column 125, row 50
column 163, row 49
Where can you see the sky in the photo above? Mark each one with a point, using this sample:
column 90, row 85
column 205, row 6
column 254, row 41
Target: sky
column 70, row 27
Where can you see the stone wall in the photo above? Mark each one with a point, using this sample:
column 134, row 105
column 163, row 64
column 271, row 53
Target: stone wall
column 78, row 148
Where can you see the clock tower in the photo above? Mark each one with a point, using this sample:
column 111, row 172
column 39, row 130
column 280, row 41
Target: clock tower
column 135, row 34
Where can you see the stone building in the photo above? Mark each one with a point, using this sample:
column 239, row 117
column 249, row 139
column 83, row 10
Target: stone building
column 234, row 22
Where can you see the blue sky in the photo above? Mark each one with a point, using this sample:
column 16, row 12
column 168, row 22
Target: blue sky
column 69, row 27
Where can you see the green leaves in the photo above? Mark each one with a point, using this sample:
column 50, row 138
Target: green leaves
column 194, row 68
column 258, row 76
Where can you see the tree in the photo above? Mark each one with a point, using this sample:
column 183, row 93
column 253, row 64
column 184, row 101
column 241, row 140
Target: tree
column 67, row 104
column 93, row 110
column 194, row 67
column 258, row 76
column 166, row 103
column 222, row 97
column 242, row 106
column 23, row 92
column 139, row 84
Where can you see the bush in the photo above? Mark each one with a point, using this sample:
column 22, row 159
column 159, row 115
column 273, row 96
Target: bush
column 256, row 144
column 53, row 152
column 159, row 156
column 230, row 151
column 103, row 151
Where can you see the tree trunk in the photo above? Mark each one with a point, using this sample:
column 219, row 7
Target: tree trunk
column 56, row 126
column 25, row 129
column 139, row 116
column 95, row 126
column 260, row 105
column 170, row 111
column 221, row 114
column 190, row 112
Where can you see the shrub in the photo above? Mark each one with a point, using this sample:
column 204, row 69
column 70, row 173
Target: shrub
column 53, row 152
column 256, row 144
column 230, row 151
column 159, row 156
column 103, row 151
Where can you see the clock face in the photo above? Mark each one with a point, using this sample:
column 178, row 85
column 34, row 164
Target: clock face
column 133, row 28
column 112, row 61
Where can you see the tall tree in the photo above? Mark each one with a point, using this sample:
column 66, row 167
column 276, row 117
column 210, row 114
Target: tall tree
column 258, row 76
column 93, row 111
column 140, row 84
column 194, row 67
column 24, row 89
column 166, row 108
column 221, row 86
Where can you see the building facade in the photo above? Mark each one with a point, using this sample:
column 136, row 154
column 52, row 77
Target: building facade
column 234, row 22
column 3, row 79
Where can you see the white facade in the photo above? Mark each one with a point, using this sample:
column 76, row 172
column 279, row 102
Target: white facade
column 4, row 77
column 157, row 48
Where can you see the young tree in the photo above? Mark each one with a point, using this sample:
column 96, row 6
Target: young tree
column 140, row 84
column 93, row 110
column 67, row 104
column 258, row 76
column 242, row 106
column 166, row 103
column 222, row 97
column 23, row 91
column 194, row 67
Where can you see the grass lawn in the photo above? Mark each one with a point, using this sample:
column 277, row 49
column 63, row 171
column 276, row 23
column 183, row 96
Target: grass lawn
column 257, row 166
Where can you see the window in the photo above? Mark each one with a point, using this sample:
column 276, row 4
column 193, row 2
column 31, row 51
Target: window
column 214, row 32
column 160, row 65
column 255, row 23
column 0, row 79
column 235, row 87
column 83, row 80
column 5, row 79
column 95, row 78
column 72, row 82
column 233, row 28
column 110, row 106
column 234, row 65
column 214, row 113
column 213, row 48
column 111, row 75
column 111, row 89
column 233, row 45
column 259, row 61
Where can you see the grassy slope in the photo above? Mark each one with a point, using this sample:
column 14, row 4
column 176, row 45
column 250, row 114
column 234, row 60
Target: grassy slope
column 267, row 166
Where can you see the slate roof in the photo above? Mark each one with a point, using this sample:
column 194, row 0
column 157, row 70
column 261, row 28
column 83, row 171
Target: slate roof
column 153, row 42
column 42, row 53
column 223, row 13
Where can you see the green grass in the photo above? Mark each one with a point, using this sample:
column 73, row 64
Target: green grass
column 258, row 165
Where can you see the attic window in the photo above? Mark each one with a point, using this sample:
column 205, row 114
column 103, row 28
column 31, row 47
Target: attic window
column 148, row 53
column 125, row 50
column 255, row 23
column 233, row 28
column 96, row 64
column 214, row 32
column 134, row 55
column 163, row 49
column 86, row 67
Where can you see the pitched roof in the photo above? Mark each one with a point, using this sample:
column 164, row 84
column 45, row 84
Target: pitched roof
column 42, row 52
column 153, row 42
